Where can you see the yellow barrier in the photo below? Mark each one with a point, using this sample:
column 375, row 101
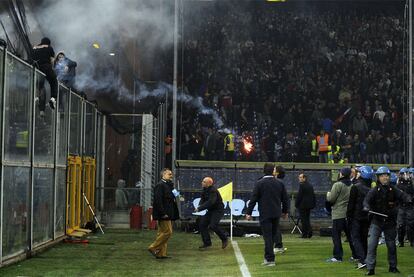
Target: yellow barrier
column 89, row 168
column 73, row 194
column 81, row 178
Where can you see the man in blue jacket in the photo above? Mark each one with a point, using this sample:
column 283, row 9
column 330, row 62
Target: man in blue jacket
column 271, row 195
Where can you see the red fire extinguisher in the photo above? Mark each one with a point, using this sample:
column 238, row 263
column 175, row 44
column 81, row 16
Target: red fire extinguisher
column 135, row 217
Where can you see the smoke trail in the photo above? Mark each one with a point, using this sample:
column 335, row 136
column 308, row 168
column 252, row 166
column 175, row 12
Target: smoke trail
column 163, row 88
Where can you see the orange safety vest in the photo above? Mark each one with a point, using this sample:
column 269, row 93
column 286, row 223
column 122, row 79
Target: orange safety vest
column 323, row 143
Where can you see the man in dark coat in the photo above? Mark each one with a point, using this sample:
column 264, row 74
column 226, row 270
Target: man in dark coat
column 280, row 173
column 305, row 202
column 271, row 195
column 43, row 57
column 165, row 210
column 357, row 216
column 212, row 202
column 383, row 201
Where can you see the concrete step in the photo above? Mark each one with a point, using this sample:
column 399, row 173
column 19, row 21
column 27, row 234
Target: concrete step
column 116, row 219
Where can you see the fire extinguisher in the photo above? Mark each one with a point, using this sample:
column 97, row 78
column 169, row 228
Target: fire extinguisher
column 135, row 217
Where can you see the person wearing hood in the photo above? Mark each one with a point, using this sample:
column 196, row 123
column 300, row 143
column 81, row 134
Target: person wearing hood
column 165, row 210
column 339, row 197
column 212, row 202
column 382, row 202
column 359, row 217
column 43, row 57
column 65, row 70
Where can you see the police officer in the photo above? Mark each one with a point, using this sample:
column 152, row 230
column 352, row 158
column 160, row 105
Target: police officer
column 382, row 202
column 405, row 219
column 357, row 216
column 212, row 202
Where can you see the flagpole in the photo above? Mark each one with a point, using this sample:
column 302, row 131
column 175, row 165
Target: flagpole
column 231, row 220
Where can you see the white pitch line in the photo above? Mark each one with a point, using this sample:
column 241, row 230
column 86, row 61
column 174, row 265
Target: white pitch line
column 242, row 264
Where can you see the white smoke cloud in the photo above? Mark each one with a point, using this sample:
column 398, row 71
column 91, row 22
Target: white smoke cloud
column 73, row 26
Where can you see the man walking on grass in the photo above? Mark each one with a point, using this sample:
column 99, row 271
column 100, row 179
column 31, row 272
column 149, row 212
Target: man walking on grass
column 271, row 195
column 212, row 202
column 165, row 211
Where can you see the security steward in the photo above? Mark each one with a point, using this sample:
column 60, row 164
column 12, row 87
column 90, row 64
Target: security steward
column 229, row 147
column 382, row 204
column 212, row 202
column 405, row 218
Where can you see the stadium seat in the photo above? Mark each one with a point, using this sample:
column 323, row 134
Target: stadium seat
column 237, row 206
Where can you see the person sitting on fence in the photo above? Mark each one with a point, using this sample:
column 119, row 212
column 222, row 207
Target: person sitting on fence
column 65, row 70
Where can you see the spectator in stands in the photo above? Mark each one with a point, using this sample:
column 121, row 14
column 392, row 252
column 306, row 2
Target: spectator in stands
column 360, row 125
column 305, row 202
column 210, row 145
column 303, row 80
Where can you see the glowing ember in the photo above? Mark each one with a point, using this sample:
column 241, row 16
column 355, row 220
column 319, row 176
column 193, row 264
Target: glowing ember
column 248, row 146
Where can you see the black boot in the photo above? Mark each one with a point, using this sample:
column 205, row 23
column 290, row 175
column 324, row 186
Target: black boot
column 394, row 270
column 370, row 272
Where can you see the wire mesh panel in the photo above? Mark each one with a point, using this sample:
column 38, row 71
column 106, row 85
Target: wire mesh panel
column 44, row 142
column 15, row 209
column 62, row 126
column 148, row 160
column 75, row 125
column 60, row 201
column 42, row 205
column 123, row 158
column 90, row 142
column 17, row 110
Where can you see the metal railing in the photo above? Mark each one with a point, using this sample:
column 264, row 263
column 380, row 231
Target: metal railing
column 34, row 153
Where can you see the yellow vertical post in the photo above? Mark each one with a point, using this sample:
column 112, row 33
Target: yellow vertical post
column 78, row 191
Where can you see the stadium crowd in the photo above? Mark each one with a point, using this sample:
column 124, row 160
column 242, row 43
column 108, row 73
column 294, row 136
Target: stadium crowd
column 278, row 75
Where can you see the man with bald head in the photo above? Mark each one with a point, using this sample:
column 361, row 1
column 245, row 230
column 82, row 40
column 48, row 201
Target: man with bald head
column 212, row 202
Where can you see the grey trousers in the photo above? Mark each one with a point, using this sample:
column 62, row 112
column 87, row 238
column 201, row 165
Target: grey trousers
column 374, row 234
